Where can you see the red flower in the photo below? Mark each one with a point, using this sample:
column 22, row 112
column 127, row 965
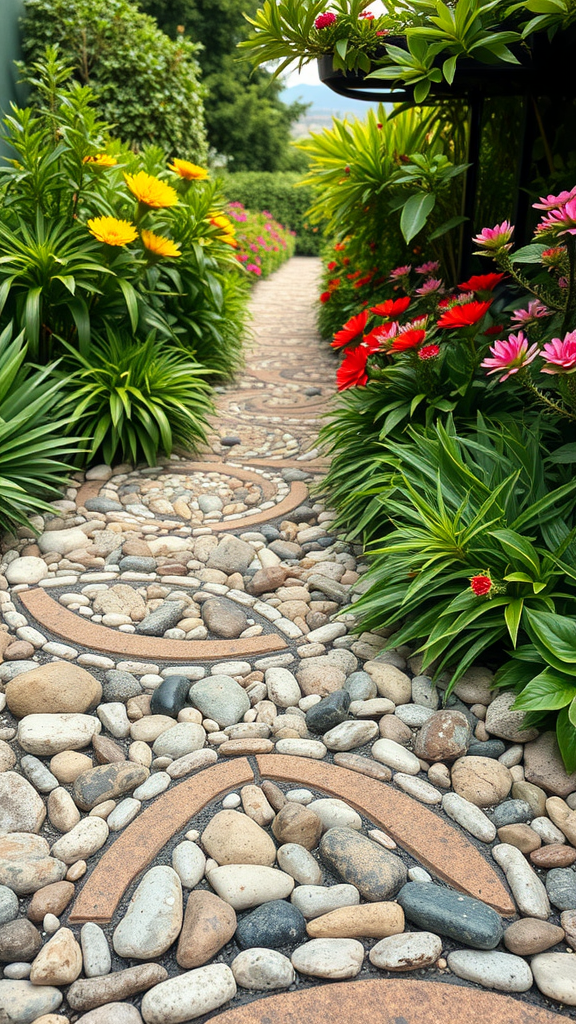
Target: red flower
column 481, row 283
column 481, row 585
column 346, row 261
column 352, row 277
column 363, row 280
column 495, row 329
column 352, row 372
column 380, row 334
column 406, row 340
column 391, row 307
column 464, row 316
column 429, row 352
column 325, row 297
column 339, row 247
column 332, row 265
column 324, row 20
column 333, row 284
column 351, row 330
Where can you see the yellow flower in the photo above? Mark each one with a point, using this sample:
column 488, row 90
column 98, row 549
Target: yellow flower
column 229, row 239
column 189, row 171
column 151, row 191
column 159, row 245
column 220, row 221
column 100, row 160
column 112, row 231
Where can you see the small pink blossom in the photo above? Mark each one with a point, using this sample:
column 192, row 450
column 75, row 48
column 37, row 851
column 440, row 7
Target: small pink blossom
column 560, row 355
column 496, row 239
column 400, row 272
column 431, row 286
column 428, row 268
column 510, row 355
column 429, row 352
column 254, row 268
column 553, row 202
column 536, row 310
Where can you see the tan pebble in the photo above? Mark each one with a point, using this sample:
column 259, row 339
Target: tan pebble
column 295, row 823
column 274, row 795
column 517, row 772
column 76, row 871
column 382, row 838
column 103, row 810
column 69, row 764
column 391, row 728
column 254, row 801
column 234, row 838
column 236, row 748
column 481, row 733
column 62, row 811
column 442, row 964
column 530, row 935
column 369, row 921
column 140, row 753
column 50, row 899
column 137, row 707
column 521, row 836
column 190, row 715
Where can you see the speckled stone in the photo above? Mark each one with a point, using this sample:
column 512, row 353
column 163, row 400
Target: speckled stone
column 447, row 912
column 376, row 873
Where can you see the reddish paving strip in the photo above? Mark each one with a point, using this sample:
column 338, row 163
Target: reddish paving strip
column 54, row 617
column 435, row 844
column 148, row 834
column 394, row 1001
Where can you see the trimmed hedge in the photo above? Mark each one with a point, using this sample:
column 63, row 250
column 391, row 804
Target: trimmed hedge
column 277, row 193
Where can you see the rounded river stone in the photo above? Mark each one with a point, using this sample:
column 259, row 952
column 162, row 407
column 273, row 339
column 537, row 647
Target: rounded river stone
column 450, row 913
column 274, row 924
column 329, row 712
column 170, row 697
column 376, row 873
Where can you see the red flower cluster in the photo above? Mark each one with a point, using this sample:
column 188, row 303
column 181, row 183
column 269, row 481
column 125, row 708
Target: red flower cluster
column 481, row 585
column 325, row 20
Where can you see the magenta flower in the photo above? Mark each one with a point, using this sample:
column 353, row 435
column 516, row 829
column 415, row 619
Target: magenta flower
column 428, row 268
column 324, row 21
column 254, row 268
column 431, row 286
column 399, row 272
column 560, row 355
column 561, row 221
column 553, row 202
column 496, row 239
column 536, row 310
column 510, row 355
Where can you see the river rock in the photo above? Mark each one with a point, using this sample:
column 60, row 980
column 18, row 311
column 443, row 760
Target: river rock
column 561, row 888
column 220, row 698
column 248, row 885
column 170, row 697
column 295, row 823
column 87, row 993
column 262, row 970
column 544, row 767
column 521, row 836
column 527, row 889
column 21, row 1002
column 390, row 681
column 329, row 958
column 274, row 924
column 189, row 863
column 57, row 687
column 444, row 737
column 59, row 962
column 409, row 951
column 349, row 735
column 154, row 916
column 396, row 756
column 25, row 865
column 320, row 676
column 234, row 838
column 86, row 838
column 232, row 555
column 209, row 923
column 48, row 734
column 555, row 976
column 298, row 862
column 555, row 855
column 469, row 817
column 21, row 808
column 282, row 686
column 315, row 900
column 562, row 816
column 481, row 780
column 95, row 951
column 165, row 617
column 360, row 686
column 224, row 618
column 333, row 813
column 189, row 995
column 26, row 569
column 369, row 920
column 107, row 782
column 447, row 912
column 506, row 724
column 492, row 969
column 62, row 541
column 529, row 935
column 180, row 740
column 8, row 905
column 19, row 941
column 376, row 873
column 111, row 1013
column 329, row 712
column 62, row 810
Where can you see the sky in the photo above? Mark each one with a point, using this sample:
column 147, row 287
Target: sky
column 309, row 74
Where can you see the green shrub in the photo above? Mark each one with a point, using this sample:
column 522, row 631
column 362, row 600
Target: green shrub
column 33, row 448
column 136, row 398
column 281, row 195
column 146, row 84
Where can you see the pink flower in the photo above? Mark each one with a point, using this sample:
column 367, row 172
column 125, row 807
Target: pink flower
column 254, row 268
column 560, row 355
column 433, row 284
column 561, row 221
column 553, row 202
column 510, row 355
column 496, row 239
column 428, row 268
column 399, row 272
column 536, row 310
column 429, row 352
column 324, row 21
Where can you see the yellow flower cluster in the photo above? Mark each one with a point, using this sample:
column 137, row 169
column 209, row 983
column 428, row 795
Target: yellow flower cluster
column 227, row 227
column 189, row 171
column 100, row 160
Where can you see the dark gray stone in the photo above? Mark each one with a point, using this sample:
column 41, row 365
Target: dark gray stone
column 224, row 617
column 229, row 442
column 294, row 474
column 310, row 392
column 490, row 748
column 170, row 697
column 274, row 924
column 561, row 888
column 330, row 711
column 135, row 563
column 511, row 812
column 120, row 686
column 103, row 505
column 165, row 617
column 302, row 514
column 285, row 549
column 447, row 912
column 270, row 532
column 376, row 873
column 106, row 782
column 19, row 941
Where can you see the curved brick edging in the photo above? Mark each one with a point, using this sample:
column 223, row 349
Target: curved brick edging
column 143, row 839
column 390, row 1001
column 56, row 619
column 440, row 847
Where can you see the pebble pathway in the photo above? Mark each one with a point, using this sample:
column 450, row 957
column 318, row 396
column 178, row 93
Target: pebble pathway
column 215, row 798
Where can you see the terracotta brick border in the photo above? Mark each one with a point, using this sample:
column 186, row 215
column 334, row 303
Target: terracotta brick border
column 390, row 1001
column 54, row 617
column 148, row 833
column 438, row 846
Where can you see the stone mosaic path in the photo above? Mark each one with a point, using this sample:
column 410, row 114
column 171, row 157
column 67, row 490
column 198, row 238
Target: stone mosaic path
column 214, row 798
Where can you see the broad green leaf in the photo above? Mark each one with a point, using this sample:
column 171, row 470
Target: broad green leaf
column 512, row 616
column 547, row 691
column 416, row 211
column 566, row 736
